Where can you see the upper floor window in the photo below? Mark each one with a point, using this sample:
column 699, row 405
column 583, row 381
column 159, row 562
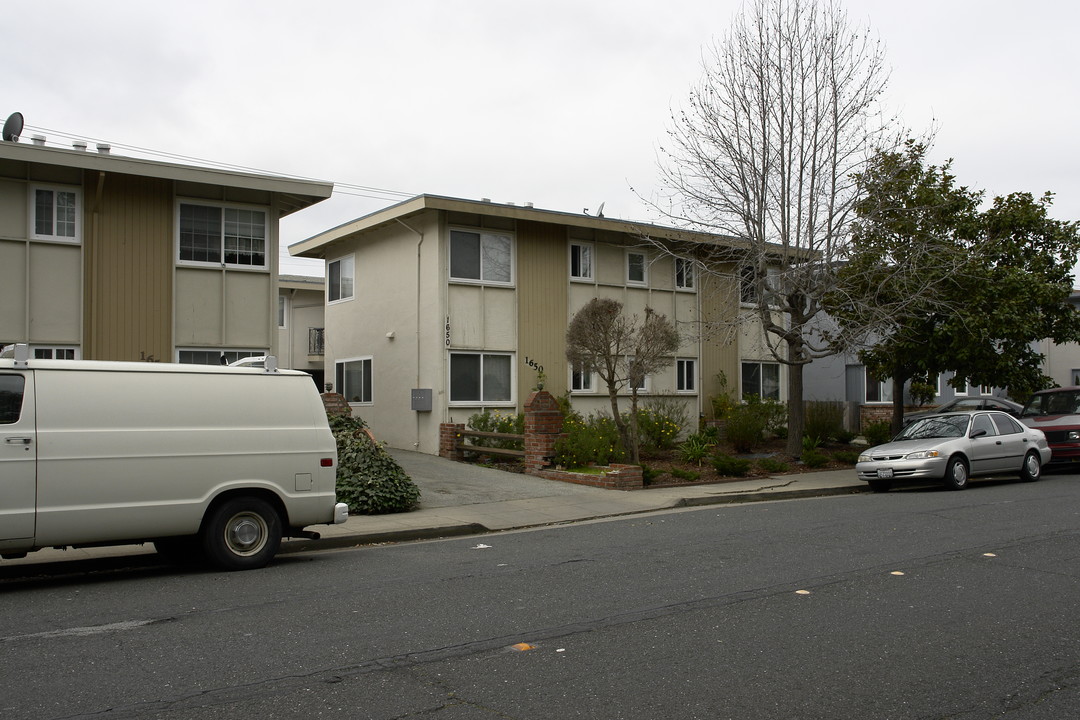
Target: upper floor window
column 684, row 274
column 340, row 277
column 636, row 268
column 748, row 287
column 54, row 213
column 481, row 256
column 581, row 261
column 222, row 235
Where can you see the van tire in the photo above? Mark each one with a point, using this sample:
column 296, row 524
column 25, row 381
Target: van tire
column 242, row 533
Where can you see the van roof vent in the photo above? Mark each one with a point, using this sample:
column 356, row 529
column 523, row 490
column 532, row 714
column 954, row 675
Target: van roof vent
column 271, row 364
column 22, row 355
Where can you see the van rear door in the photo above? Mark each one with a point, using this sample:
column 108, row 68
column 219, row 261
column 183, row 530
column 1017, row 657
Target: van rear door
column 18, row 456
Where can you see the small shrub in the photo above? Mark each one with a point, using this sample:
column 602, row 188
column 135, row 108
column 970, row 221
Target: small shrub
column 591, row 440
column 730, row 465
column 814, row 458
column 687, row 475
column 649, row 475
column 772, row 465
column 495, row 421
column 823, row 419
column 695, row 448
column 369, row 480
column 657, row 429
column 848, row 457
column 810, row 443
column 745, row 428
column 844, row 437
column 877, row 433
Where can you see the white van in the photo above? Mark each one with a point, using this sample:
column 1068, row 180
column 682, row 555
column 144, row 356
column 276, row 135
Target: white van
column 201, row 460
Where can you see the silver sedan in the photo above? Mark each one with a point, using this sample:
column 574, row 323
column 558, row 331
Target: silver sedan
column 954, row 447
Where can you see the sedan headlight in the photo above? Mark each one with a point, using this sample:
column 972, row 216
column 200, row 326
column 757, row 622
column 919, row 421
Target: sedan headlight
column 923, row 455
column 866, row 458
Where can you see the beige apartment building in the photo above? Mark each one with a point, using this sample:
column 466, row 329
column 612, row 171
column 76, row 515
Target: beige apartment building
column 438, row 307
column 105, row 257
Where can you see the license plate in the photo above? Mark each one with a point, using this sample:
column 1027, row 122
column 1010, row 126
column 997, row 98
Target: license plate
column 884, row 473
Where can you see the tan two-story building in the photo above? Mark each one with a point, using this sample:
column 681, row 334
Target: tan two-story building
column 106, row 257
column 438, row 308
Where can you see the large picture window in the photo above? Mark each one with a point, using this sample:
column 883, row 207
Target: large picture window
column 214, row 234
column 353, row 379
column 480, row 378
column 761, row 379
column 340, row 278
column 481, row 256
column 54, row 213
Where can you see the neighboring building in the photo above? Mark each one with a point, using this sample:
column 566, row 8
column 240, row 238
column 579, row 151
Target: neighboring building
column 300, row 324
column 105, row 257
column 437, row 308
column 1062, row 362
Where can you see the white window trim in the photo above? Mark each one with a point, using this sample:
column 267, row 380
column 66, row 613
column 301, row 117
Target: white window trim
column 242, row 352
column 884, row 388
column 779, row 378
column 689, row 265
column 591, row 247
column 512, row 402
column 593, row 380
column 53, row 348
column 693, row 376
column 267, row 249
column 283, row 312
column 362, row 358
column 352, row 294
column 771, row 274
column 32, row 214
column 480, row 281
column 644, row 282
column 969, row 390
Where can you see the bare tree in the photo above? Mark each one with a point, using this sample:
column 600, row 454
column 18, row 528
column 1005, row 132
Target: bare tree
column 601, row 339
column 784, row 117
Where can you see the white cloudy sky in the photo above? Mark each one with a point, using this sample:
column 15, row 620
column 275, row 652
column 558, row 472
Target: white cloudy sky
column 561, row 103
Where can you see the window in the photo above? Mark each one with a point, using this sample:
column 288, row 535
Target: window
column 1006, row 425
column 282, row 310
column 581, row 261
column 761, row 379
column 480, row 378
column 635, row 268
column 878, row 391
column 685, row 375
column 581, row 379
column 353, row 379
column 481, row 256
column 963, row 388
column 748, row 286
column 231, row 236
column 633, row 371
column 982, row 422
column 215, row 356
column 11, row 398
column 55, row 353
column 340, row 279
column 684, row 274
column 54, row 213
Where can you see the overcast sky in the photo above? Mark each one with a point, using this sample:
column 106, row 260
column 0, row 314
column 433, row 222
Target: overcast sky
column 561, row 103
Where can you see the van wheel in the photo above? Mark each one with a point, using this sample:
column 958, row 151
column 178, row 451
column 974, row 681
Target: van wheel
column 956, row 475
column 243, row 533
column 1032, row 469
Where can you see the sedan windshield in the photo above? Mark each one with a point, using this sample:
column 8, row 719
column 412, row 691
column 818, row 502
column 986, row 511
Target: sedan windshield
column 942, row 426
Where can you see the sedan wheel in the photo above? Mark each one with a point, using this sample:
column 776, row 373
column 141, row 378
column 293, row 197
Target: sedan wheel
column 1032, row 469
column 956, row 475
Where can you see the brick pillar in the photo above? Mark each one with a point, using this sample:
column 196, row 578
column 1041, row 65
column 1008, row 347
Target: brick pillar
column 449, row 434
column 543, row 427
column 335, row 404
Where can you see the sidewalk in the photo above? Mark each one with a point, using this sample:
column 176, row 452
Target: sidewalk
column 464, row 499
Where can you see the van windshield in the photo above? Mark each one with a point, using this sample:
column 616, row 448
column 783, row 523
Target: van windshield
column 1063, row 402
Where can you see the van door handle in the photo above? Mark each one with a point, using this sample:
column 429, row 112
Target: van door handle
column 18, row 440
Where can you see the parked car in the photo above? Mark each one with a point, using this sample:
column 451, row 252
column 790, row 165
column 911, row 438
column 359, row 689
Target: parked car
column 954, row 447
column 978, row 402
column 1057, row 413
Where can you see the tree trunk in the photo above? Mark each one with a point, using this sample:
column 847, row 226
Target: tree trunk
column 796, row 415
column 635, row 435
column 624, row 432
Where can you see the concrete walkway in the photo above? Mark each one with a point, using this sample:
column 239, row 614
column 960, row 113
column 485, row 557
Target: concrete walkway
column 464, row 499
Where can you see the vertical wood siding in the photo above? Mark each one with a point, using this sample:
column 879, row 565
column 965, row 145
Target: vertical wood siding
column 542, row 279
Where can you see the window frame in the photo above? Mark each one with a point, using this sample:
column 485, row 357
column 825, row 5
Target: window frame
column 644, row 282
column 747, row 289
column 32, row 231
column 761, row 379
column 481, row 232
column 351, row 258
column 74, row 350
column 686, row 369
column 581, row 372
column 339, row 379
column 481, row 402
column 221, row 262
column 283, row 312
column 884, row 389
column 232, row 354
column 590, row 248
column 688, row 272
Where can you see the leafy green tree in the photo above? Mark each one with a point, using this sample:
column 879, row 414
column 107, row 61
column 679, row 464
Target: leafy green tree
column 950, row 287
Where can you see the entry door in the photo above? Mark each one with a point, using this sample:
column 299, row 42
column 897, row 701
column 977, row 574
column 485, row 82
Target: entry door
column 18, row 456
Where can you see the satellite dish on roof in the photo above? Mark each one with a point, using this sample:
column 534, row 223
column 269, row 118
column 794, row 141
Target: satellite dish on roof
column 13, row 127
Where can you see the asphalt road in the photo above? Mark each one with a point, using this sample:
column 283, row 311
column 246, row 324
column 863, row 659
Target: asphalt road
column 920, row 603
